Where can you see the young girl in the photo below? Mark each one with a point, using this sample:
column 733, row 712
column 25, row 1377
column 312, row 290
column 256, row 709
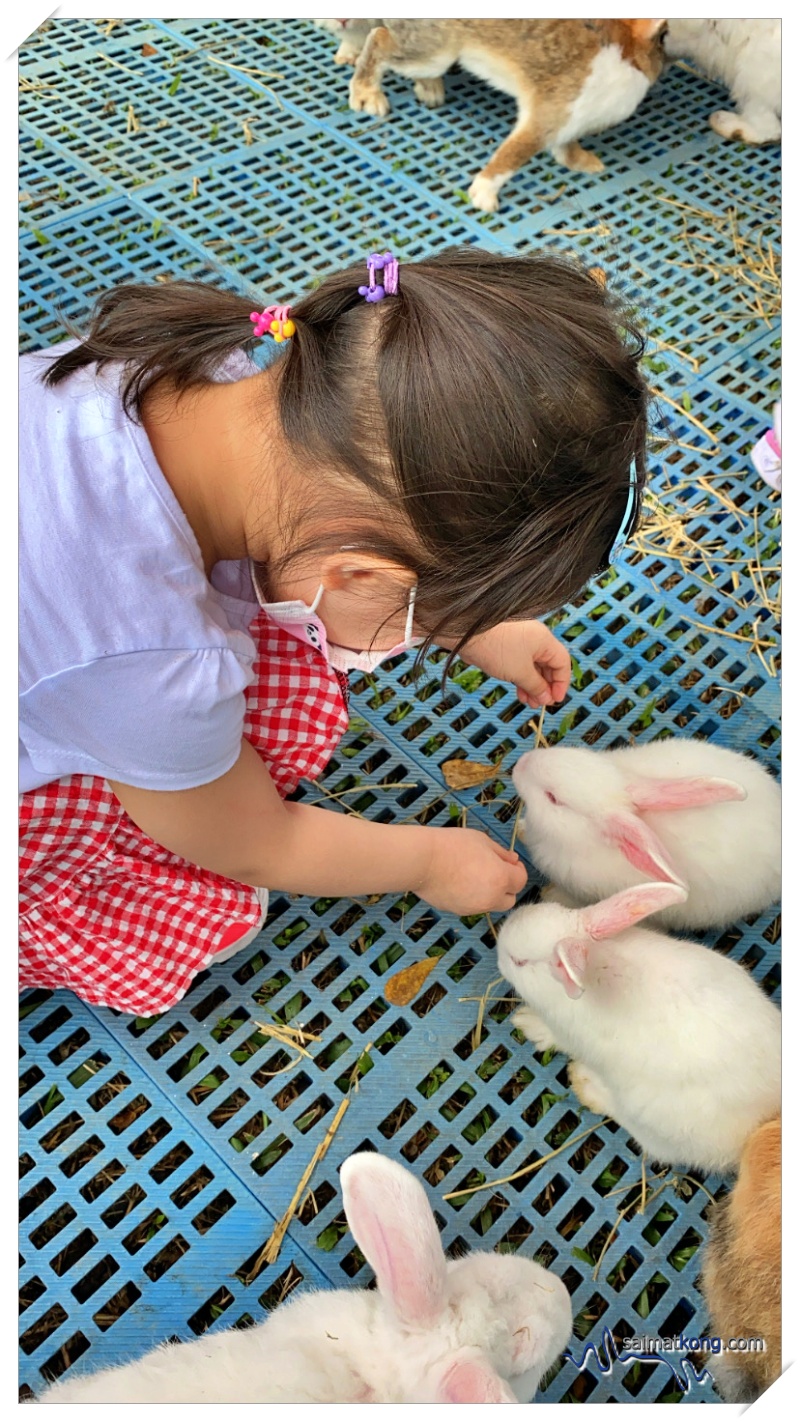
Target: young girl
column 439, row 453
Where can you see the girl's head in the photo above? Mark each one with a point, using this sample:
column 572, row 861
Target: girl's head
column 475, row 432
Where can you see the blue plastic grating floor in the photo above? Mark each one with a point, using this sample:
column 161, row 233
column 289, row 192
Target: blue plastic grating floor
column 156, row 1154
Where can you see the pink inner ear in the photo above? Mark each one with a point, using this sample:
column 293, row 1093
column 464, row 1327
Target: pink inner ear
column 641, row 847
column 686, row 792
column 393, row 1224
column 474, row 1382
column 623, row 910
column 568, row 964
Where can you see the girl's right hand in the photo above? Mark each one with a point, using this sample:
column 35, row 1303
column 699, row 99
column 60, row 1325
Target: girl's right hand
column 469, row 873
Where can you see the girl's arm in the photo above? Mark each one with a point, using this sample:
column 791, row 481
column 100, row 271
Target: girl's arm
column 239, row 827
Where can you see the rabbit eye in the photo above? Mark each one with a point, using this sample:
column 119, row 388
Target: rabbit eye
column 551, row 797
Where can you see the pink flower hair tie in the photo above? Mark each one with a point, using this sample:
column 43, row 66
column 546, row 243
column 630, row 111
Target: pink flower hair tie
column 274, row 321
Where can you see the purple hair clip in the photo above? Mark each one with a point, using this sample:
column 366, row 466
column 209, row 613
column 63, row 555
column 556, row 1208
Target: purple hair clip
column 381, row 262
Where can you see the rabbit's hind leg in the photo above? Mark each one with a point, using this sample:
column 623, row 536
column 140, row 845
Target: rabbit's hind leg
column 430, row 92
column 579, row 159
column 752, row 125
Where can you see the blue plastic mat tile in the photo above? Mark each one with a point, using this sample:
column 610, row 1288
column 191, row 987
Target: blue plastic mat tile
column 126, row 1215
column 158, row 1153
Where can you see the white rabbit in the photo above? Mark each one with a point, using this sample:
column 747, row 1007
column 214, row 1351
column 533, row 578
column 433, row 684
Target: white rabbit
column 677, row 810
column 351, row 33
column 673, row 1040
column 746, row 56
column 433, row 1331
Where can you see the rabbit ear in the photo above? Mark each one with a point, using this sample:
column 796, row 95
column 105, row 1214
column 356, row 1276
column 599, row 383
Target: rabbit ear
column 473, row 1380
column 641, row 846
column 623, row 910
column 687, row 792
column 643, row 30
column 392, row 1223
column 568, row 964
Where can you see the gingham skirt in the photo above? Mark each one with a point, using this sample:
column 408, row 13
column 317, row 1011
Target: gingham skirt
column 117, row 918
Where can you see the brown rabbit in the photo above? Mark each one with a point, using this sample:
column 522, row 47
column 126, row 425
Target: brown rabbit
column 351, row 35
column 569, row 78
column 741, row 1277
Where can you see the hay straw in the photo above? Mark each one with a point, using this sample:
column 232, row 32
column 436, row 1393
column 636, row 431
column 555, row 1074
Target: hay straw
column 601, row 229
column 538, row 726
column 753, row 263
column 359, row 790
column 693, row 420
column 699, row 1185
column 272, row 1248
column 620, row 1217
column 682, row 355
column 516, row 825
column 528, row 1169
column 294, row 1037
column 483, row 1003
column 665, row 533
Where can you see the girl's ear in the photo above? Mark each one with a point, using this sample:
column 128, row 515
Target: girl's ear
column 687, row 792
column 473, row 1380
column 393, row 1225
column 348, row 568
column 568, row 964
column 623, row 910
column 641, row 846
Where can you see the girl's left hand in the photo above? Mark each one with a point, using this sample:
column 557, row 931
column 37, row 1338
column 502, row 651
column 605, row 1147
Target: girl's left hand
column 527, row 655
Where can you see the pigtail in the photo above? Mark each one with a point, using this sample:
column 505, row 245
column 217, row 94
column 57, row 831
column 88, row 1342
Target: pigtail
column 183, row 329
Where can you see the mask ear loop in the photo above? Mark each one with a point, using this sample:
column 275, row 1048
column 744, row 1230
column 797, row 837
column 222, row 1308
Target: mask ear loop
column 254, row 581
column 260, row 597
column 412, row 598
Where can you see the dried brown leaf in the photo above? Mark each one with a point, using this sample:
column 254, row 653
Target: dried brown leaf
column 462, row 774
column 402, row 988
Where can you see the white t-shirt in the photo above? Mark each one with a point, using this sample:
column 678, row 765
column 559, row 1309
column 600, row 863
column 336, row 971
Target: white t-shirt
column 132, row 664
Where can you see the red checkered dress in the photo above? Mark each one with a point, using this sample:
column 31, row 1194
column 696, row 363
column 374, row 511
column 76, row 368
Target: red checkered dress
column 120, row 920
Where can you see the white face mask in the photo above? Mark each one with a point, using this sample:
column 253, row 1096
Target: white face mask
column 301, row 621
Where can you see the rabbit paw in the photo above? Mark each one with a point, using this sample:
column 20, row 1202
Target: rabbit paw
column 579, row 159
column 588, row 1088
column 761, row 129
column 363, row 97
column 532, row 1027
column 347, row 53
column 483, row 194
column 430, row 92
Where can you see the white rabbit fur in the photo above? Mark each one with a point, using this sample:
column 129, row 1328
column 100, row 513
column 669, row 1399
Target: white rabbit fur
column 745, row 55
column 672, row 1040
column 433, row 1331
column 612, row 827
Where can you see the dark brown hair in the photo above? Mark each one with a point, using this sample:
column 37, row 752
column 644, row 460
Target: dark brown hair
column 492, row 411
